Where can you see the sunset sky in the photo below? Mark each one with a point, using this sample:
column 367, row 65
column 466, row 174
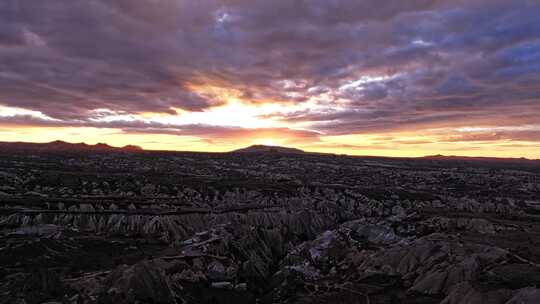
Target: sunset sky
column 363, row 77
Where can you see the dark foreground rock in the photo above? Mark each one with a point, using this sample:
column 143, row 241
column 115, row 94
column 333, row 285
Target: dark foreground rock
column 152, row 227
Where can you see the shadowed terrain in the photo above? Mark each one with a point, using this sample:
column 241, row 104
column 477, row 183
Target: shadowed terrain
column 87, row 224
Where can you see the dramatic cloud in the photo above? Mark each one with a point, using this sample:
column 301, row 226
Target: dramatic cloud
column 332, row 67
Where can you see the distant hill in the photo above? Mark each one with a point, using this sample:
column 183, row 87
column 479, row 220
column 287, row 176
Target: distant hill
column 273, row 149
column 62, row 146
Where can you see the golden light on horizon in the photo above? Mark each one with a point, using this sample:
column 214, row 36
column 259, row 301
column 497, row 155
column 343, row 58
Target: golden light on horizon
column 237, row 124
column 268, row 142
column 401, row 145
column 265, row 141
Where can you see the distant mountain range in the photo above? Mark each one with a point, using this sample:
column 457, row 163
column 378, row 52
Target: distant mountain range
column 265, row 149
column 62, row 146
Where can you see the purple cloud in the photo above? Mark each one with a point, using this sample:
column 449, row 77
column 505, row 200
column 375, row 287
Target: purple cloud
column 442, row 62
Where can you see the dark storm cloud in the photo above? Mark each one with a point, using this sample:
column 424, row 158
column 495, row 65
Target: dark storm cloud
column 442, row 62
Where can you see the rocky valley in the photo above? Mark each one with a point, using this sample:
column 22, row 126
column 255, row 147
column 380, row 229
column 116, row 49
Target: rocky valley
column 103, row 225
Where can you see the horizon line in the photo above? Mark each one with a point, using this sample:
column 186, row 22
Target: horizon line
column 277, row 146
